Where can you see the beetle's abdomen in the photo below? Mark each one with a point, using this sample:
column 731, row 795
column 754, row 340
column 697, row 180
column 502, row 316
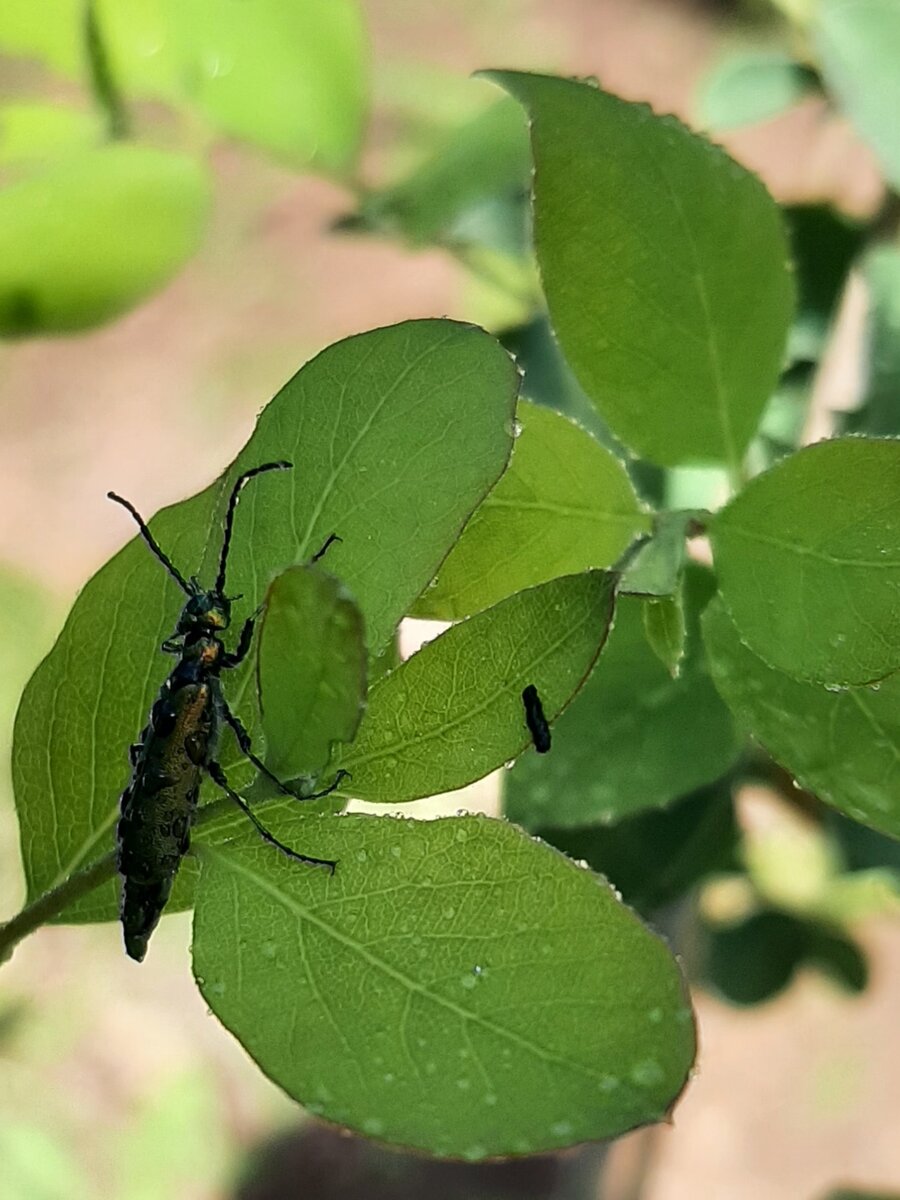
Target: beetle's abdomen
column 158, row 805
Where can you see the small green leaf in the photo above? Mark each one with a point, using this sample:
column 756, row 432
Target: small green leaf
column 454, row 987
column 91, row 236
column 565, row 504
column 859, row 46
column 32, row 133
column 752, row 86
column 665, row 269
column 634, row 738
column 663, row 618
column 395, row 435
column 485, row 161
column 656, row 567
column 752, row 961
column 311, row 669
column 654, row 858
column 808, row 562
column 453, row 712
column 839, row 744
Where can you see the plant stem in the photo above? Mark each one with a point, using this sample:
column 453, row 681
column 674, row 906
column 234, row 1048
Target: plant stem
column 106, row 91
column 52, row 903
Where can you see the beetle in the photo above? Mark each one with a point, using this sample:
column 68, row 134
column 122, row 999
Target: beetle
column 179, row 743
column 535, row 719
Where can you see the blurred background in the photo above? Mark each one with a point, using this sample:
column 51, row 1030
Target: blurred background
column 386, row 184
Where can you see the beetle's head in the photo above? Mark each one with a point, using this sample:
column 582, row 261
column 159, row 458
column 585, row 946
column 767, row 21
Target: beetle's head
column 205, row 612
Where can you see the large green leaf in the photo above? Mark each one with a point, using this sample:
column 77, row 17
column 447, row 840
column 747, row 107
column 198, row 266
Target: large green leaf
column 453, row 712
column 395, row 435
column 455, row 987
column 843, row 745
column 808, row 560
column 311, row 670
column 859, row 47
column 565, row 504
column 635, row 738
column 89, row 237
column 751, row 86
column 665, row 270
column 287, row 75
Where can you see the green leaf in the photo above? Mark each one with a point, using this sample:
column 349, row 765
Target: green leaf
column 751, row 86
column 547, row 378
column 859, row 46
column 808, row 562
column 311, row 670
column 880, row 410
column 664, row 266
column 654, row 857
column 752, row 961
column 839, row 744
column 396, row 436
column 51, row 33
column 484, row 162
column 635, row 738
column 455, row 987
column 656, row 568
column 453, row 712
column 564, row 505
column 287, row 76
column 663, row 618
column 90, row 237
column 824, row 245
column 32, row 133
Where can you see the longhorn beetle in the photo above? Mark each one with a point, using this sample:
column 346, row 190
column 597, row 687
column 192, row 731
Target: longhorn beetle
column 179, row 743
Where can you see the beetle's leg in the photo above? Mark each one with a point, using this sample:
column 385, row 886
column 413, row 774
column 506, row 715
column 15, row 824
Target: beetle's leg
column 218, row 776
column 243, row 740
column 243, row 646
column 330, row 540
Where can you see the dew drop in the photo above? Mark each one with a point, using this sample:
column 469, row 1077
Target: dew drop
column 217, row 989
column 373, row 1125
column 647, row 1073
column 464, row 1084
column 468, row 982
column 490, row 1099
column 268, row 949
column 462, row 835
column 609, row 1083
column 655, row 1015
column 474, row 1153
column 431, row 1068
column 361, row 855
column 562, row 1129
column 389, row 1077
column 448, row 913
column 396, row 851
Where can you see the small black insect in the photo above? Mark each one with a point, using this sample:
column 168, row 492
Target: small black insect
column 535, row 719
column 180, row 740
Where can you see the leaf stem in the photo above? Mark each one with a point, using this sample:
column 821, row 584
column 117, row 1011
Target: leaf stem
column 106, row 91
column 52, row 903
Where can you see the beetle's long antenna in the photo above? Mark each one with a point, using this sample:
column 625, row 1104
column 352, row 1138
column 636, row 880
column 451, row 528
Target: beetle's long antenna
column 153, row 544
column 229, row 515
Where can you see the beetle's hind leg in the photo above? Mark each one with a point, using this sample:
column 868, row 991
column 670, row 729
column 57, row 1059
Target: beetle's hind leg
column 246, row 745
column 218, row 776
